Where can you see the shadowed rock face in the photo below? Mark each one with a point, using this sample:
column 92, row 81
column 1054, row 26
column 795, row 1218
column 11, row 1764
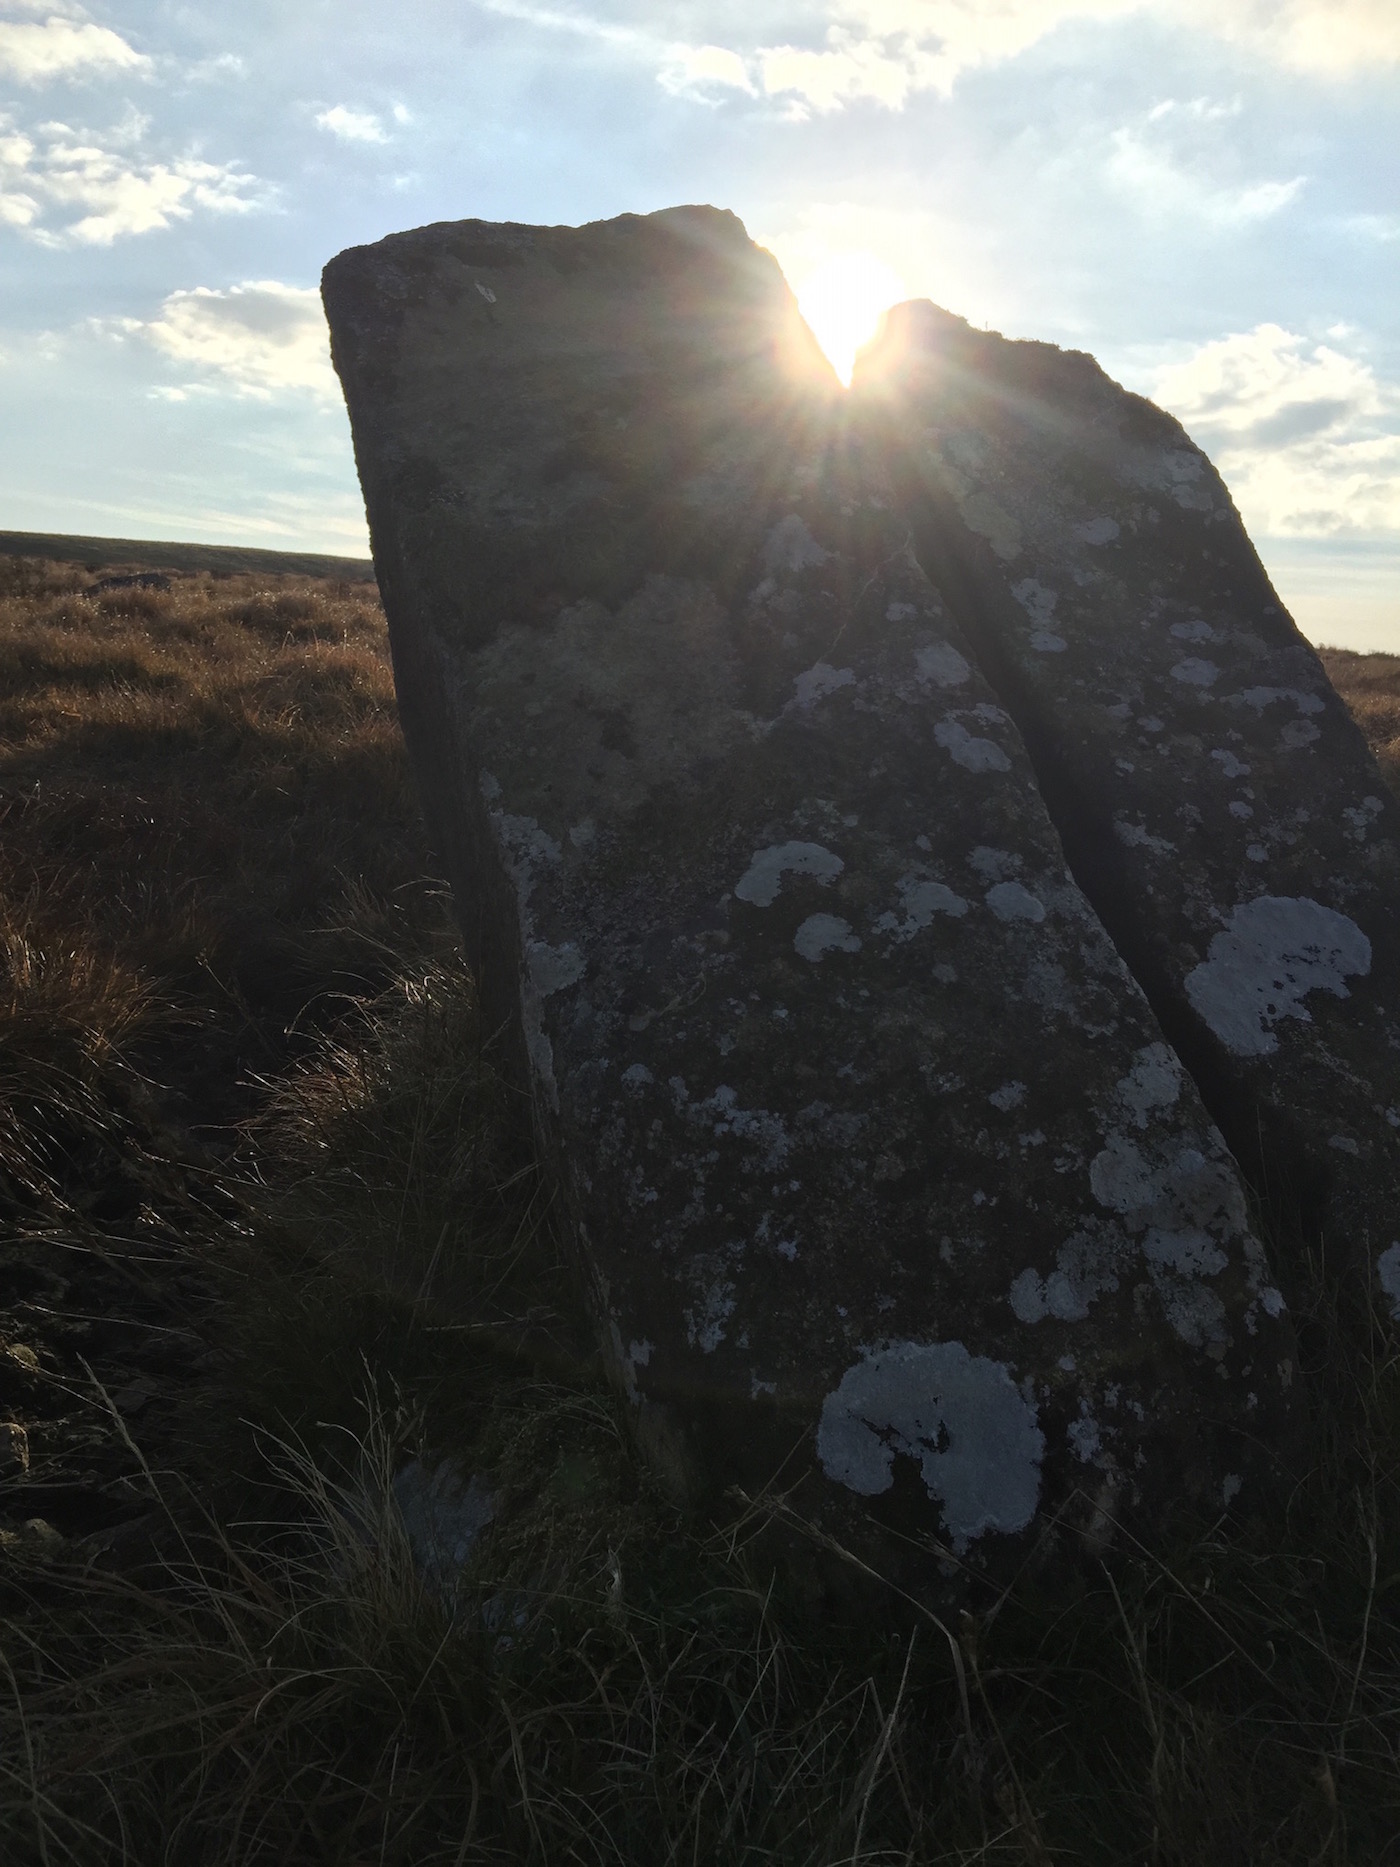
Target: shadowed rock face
column 1216, row 800
column 881, row 1172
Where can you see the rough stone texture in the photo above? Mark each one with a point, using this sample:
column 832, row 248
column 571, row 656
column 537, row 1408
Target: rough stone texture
column 881, row 1172
column 1216, row 800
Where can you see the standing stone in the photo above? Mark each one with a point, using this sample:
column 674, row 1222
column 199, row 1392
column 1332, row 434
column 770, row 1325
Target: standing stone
column 883, row 1178
column 1216, row 800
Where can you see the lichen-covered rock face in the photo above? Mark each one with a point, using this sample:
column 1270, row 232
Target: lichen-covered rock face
column 1214, row 796
column 883, row 1176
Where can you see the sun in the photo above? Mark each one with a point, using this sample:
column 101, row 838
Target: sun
column 842, row 299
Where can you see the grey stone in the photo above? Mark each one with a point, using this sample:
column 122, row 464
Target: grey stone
column 1216, row 800
column 444, row 1512
column 882, row 1176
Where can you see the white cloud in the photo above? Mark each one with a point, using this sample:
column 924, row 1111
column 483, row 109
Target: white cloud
column 697, row 70
column 853, row 68
column 886, row 51
column 76, row 187
column 1167, row 176
column 1327, row 37
column 352, row 126
column 19, row 207
column 1306, row 436
column 211, row 70
column 261, row 338
column 553, row 19
column 34, row 51
column 1379, row 227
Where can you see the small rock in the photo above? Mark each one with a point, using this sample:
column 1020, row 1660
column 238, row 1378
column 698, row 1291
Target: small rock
column 444, row 1513
column 132, row 1398
column 14, row 1448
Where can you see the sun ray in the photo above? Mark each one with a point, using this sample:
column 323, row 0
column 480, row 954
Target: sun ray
column 842, row 300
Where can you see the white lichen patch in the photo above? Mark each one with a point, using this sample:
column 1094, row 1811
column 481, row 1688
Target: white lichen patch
column 1196, row 632
column 920, row 900
column 1175, row 1214
column 819, row 681
column 1195, row 671
column 791, row 548
column 825, row 933
column 1153, row 1083
column 995, row 865
column 1087, row 1266
column 941, row 664
column 1275, row 950
column 763, row 879
column 527, row 848
column 1187, row 1207
column 1097, row 531
column 1195, row 1313
column 706, row 1317
column 1261, row 697
column 1176, row 1187
column 1297, row 734
column 1138, row 836
column 1177, row 471
column 1009, row 901
column 1229, row 764
column 1038, row 603
column 1009, row 1096
column 553, row 967
column 1359, row 818
column 982, row 514
column 968, row 750
column 1191, row 1253
column 1085, row 1435
column 1388, row 1275
column 760, row 1126
column 960, row 1416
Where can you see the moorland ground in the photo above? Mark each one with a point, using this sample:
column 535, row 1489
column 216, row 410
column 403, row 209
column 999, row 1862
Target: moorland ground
column 270, row 1230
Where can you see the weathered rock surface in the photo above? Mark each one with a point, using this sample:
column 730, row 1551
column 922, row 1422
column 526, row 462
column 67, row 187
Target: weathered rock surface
column 882, row 1173
column 1216, row 799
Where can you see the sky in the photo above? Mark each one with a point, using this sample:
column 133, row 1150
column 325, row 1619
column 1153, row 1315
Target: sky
column 1205, row 194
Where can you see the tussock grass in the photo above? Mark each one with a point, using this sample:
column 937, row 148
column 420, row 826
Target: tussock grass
column 261, row 1667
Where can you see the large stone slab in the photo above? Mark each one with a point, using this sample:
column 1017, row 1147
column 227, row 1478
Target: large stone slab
column 1216, row 799
column 882, row 1174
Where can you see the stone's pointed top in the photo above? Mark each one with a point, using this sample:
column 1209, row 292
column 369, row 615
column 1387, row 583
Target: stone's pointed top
column 917, row 324
column 693, row 262
column 554, row 413
column 919, row 336
column 718, row 229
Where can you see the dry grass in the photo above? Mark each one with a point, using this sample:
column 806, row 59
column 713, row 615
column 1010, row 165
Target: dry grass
column 216, row 774
column 1370, row 685
column 246, row 1661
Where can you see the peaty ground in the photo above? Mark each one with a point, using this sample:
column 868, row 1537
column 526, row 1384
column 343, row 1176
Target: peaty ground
column 270, row 1231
